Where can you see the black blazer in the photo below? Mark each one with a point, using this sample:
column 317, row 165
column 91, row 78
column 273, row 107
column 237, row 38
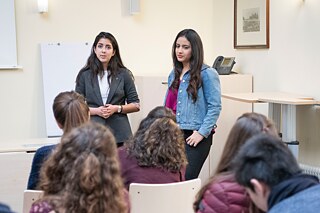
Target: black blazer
column 122, row 91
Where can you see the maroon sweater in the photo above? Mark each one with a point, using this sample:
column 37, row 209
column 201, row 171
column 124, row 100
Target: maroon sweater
column 45, row 207
column 131, row 172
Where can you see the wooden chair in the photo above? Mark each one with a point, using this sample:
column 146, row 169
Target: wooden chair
column 29, row 197
column 159, row 198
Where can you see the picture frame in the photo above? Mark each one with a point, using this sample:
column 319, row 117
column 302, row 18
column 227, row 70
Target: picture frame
column 251, row 24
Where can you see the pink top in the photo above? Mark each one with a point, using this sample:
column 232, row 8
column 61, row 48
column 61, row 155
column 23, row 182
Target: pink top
column 172, row 97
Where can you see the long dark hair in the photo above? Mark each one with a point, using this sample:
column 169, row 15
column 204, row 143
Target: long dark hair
column 196, row 61
column 94, row 64
column 246, row 126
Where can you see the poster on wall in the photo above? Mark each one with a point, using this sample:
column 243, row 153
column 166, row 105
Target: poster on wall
column 251, row 24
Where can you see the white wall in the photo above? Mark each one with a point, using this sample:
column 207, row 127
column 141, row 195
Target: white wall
column 145, row 42
column 291, row 64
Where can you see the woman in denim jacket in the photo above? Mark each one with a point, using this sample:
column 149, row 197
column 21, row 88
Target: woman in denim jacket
column 194, row 95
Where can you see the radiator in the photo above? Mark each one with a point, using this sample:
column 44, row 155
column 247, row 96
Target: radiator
column 311, row 170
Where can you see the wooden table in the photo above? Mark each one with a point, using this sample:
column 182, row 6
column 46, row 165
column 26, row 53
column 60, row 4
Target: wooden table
column 28, row 145
column 282, row 110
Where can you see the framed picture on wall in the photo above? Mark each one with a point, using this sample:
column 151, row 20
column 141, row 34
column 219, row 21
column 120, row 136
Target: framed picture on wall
column 251, row 24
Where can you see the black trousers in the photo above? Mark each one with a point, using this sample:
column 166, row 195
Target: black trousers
column 196, row 155
column 120, row 144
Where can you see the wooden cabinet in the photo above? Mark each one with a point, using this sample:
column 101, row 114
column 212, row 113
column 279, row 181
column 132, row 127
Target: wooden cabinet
column 15, row 170
column 15, row 164
column 151, row 91
column 231, row 110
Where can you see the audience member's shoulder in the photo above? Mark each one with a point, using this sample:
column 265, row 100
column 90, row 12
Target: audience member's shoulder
column 45, row 150
column 125, row 158
column 225, row 184
column 5, row 208
column 224, row 195
column 123, row 152
column 306, row 201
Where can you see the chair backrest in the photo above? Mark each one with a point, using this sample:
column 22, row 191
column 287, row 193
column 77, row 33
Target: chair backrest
column 29, row 197
column 171, row 197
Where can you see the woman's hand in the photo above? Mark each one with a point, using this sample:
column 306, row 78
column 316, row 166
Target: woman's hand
column 100, row 111
column 194, row 139
column 104, row 111
column 111, row 109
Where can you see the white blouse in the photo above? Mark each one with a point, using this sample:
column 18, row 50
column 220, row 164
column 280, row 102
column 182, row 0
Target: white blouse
column 104, row 86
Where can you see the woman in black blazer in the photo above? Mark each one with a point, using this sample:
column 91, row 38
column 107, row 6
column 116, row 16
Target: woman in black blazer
column 108, row 87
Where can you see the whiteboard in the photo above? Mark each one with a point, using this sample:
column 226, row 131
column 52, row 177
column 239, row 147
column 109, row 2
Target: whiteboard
column 61, row 63
column 8, row 46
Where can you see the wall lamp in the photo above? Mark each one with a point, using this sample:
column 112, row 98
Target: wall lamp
column 134, row 7
column 43, row 6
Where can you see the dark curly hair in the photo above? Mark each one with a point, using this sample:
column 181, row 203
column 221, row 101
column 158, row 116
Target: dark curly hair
column 158, row 141
column 157, row 112
column 82, row 174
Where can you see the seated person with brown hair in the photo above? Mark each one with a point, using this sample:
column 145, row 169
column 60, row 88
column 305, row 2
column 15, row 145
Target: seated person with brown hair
column 156, row 153
column 70, row 110
column 222, row 194
column 83, row 175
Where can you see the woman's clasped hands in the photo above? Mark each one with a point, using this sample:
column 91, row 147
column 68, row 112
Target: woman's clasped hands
column 107, row 110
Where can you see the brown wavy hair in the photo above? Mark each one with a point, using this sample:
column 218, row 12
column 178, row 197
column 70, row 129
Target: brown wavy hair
column 246, row 126
column 82, row 174
column 158, row 142
column 70, row 110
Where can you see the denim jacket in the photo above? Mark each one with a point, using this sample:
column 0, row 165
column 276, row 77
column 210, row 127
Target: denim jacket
column 203, row 114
